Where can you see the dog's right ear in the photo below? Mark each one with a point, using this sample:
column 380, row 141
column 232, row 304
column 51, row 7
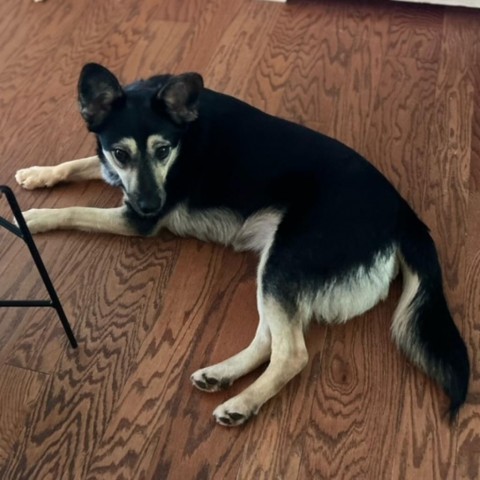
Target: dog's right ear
column 98, row 91
column 179, row 97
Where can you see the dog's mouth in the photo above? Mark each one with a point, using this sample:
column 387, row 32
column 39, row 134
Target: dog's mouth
column 149, row 214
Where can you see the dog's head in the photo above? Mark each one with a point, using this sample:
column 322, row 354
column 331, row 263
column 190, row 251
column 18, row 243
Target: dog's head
column 139, row 128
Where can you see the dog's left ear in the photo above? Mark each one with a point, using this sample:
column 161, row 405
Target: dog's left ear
column 179, row 97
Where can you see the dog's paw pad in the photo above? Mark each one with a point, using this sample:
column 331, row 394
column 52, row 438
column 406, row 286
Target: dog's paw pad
column 230, row 418
column 208, row 383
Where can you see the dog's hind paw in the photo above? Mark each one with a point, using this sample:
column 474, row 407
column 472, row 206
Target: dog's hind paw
column 234, row 412
column 207, row 382
column 37, row 177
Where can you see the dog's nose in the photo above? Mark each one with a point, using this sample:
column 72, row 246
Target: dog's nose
column 149, row 206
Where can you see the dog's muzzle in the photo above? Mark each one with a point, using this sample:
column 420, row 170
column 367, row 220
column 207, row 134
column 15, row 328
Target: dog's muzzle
column 147, row 206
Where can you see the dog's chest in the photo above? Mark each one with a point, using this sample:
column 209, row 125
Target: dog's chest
column 224, row 226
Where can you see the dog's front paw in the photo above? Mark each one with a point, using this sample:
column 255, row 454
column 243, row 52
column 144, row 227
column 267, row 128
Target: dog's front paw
column 41, row 220
column 208, row 380
column 37, row 177
column 234, row 412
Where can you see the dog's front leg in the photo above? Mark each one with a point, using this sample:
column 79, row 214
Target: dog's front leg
column 104, row 220
column 74, row 171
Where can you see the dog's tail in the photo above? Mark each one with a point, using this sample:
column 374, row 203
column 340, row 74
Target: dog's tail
column 422, row 324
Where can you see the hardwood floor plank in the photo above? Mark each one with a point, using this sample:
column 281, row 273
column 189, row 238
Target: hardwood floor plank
column 146, row 59
column 318, row 71
column 360, row 368
column 428, row 444
column 275, row 447
column 351, row 117
column 446, row 197
column 415, row 31
column 305, row 45
column 402, row 115
column 169, row 419
column 20, row 389
column 21, row 48
column 204, row 34
column 468, row 427
column 468, row 438
column 172, row 10
column 240, row 47
column 451, row 139
column 14, row 34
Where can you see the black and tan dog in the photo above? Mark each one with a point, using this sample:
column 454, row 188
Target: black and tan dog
column 331, row 231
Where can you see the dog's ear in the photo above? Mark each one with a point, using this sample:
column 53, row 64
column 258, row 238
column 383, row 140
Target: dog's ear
column 98, row 91
column 179, row 97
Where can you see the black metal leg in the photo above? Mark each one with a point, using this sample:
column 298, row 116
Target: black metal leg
column 23, row 232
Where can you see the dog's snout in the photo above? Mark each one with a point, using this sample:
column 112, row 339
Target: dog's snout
column 150, row 206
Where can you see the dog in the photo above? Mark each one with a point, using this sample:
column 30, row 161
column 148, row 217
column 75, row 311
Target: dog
column 331, row 231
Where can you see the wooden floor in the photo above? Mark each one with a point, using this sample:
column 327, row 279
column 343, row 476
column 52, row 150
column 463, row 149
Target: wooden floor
column 398, row 82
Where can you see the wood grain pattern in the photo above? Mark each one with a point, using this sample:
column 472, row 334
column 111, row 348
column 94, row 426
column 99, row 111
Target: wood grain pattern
column 400, row 83
column 468, row 437
column 240, row 49
column 354, row 109
column 402, row 117
column 416, row 31
column 468, row 444
column 20, row 390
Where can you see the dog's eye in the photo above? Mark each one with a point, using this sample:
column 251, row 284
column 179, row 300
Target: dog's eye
column 162, row 152
column 121, row 156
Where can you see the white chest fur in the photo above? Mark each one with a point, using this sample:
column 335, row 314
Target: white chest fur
column 225, row 227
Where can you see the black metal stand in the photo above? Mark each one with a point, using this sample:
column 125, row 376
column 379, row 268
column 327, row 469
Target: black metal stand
column 23, row 232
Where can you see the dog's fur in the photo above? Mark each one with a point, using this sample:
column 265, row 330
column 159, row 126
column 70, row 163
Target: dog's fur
column 331, row 231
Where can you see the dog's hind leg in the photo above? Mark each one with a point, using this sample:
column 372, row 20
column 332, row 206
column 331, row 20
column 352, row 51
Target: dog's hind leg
column 223, row 374
column 288, row 357
column 76, row 170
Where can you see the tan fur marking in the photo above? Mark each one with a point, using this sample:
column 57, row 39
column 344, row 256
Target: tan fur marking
column 129, row 144
column 155, row 141
column 401, row 317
